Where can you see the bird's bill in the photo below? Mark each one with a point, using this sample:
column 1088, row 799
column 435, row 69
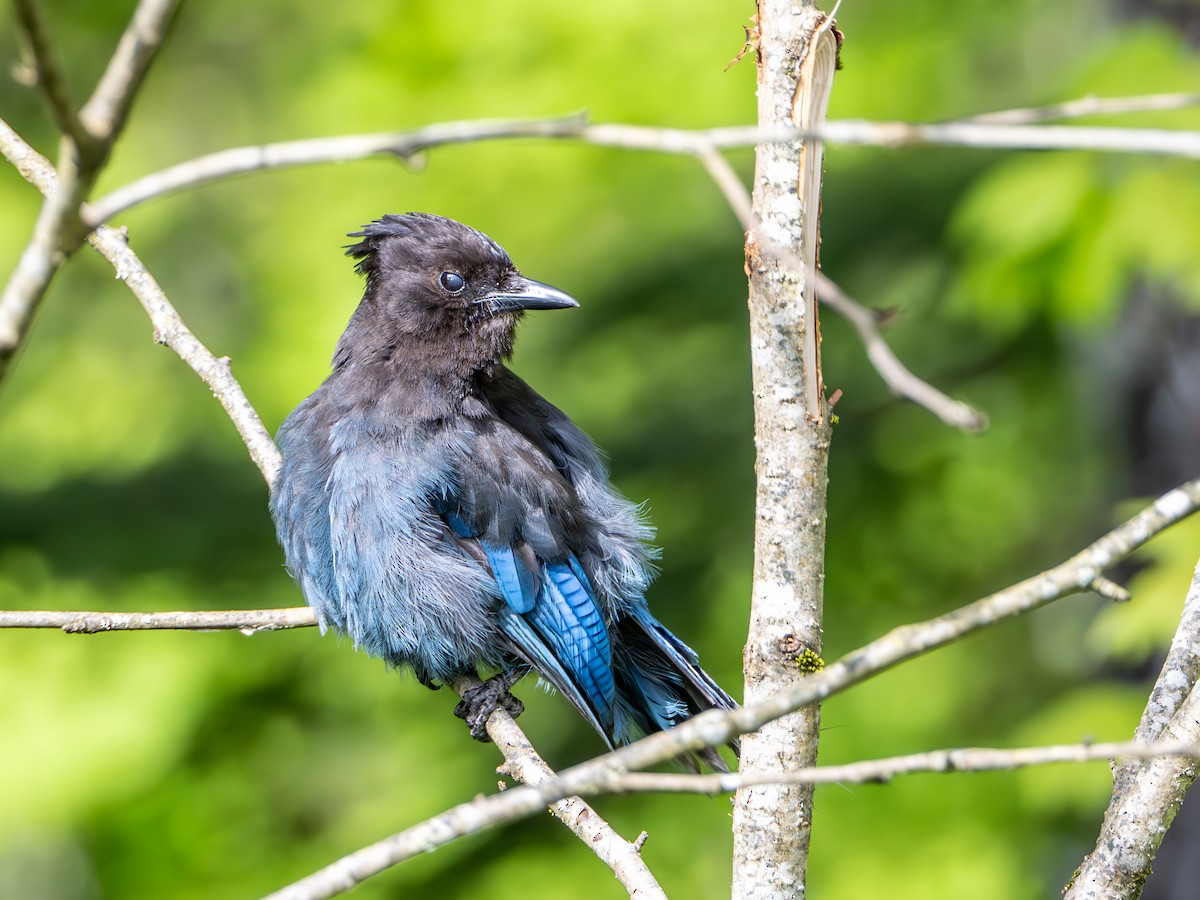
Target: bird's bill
column 528, row 294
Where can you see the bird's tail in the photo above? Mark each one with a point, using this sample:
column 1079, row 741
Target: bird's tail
column 660, row 684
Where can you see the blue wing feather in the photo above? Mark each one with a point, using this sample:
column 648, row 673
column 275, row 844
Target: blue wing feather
column 535, row 651
column 517, row 583
column 568, row 619
column 560, row 630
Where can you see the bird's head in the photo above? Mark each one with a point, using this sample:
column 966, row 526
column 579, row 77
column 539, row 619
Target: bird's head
column 439, row 292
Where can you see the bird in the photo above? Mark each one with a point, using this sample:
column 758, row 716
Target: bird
column 438, row 511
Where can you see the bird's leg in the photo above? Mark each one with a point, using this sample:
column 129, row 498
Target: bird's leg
column 479, row 703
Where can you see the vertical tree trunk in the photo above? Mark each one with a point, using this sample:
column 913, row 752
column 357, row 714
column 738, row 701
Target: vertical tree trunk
column 797, row 54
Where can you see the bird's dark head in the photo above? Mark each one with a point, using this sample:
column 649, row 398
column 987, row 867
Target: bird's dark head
column 438, row 293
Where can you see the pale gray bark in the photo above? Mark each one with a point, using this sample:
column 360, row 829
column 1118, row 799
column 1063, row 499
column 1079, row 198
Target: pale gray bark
column 772, row 822
column 1147, row 795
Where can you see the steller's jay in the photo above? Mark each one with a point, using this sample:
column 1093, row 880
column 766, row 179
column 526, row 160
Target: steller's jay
column 442, row 514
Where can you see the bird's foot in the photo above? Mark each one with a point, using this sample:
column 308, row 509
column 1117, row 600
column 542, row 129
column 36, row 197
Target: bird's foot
column 479, row 703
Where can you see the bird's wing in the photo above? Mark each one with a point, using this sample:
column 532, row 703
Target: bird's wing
column 616, row 552
column 546, row 426
column 375, row 561
column 512, row 511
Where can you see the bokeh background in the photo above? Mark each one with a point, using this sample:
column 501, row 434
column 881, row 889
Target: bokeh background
column 1057, row 292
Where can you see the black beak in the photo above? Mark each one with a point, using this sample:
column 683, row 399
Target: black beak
column 525, row 293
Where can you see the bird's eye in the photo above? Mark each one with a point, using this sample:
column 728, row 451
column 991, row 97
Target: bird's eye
column 452, row 282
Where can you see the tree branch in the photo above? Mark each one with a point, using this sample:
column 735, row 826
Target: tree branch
column 881, row 771
column 985, row 136
column 31, row 165
column 406, row 144
column 87, row 142
column 247, row 621
column 716, row 727
column 106, row 110
column 50, row 76
column 885, row 362
column 1090, row 105
column 1146, row 796
column 893, row 372
column 521, row 760
column 523, row 763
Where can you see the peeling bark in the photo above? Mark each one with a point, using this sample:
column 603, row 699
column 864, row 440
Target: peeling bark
column 772, row 822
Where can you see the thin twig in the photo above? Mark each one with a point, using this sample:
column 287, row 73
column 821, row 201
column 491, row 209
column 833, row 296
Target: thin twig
column 881, row 771
column 87, row 142
column 729, row 183
column 50, row 76
column 524, row 764
column 247, row 621
column 1090, row 105
column 30, row 164
column 169, row 328
column 1110, row 590
column 983, row 136
column 405, row 144
column 55, row 236
column 716, row 727
column 106, row 110
column 893, row 372
column 317, row 151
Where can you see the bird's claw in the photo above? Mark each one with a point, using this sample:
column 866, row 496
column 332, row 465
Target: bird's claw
column 478, row 704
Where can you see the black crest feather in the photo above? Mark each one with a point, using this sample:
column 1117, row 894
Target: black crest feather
column 417, row 226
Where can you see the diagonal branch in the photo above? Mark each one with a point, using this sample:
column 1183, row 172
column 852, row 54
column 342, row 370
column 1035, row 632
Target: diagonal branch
column 50, row 75
column 170, row 330
column 87, row 141
column 406, row 144
column 521, row 760
column 893, row 372
column 882, row 771
column 1147, row 795
column 106, row 110
column 1090, row 105
column 710, row 729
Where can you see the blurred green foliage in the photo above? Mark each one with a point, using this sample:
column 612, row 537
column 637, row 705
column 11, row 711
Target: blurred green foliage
column 191, row 765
